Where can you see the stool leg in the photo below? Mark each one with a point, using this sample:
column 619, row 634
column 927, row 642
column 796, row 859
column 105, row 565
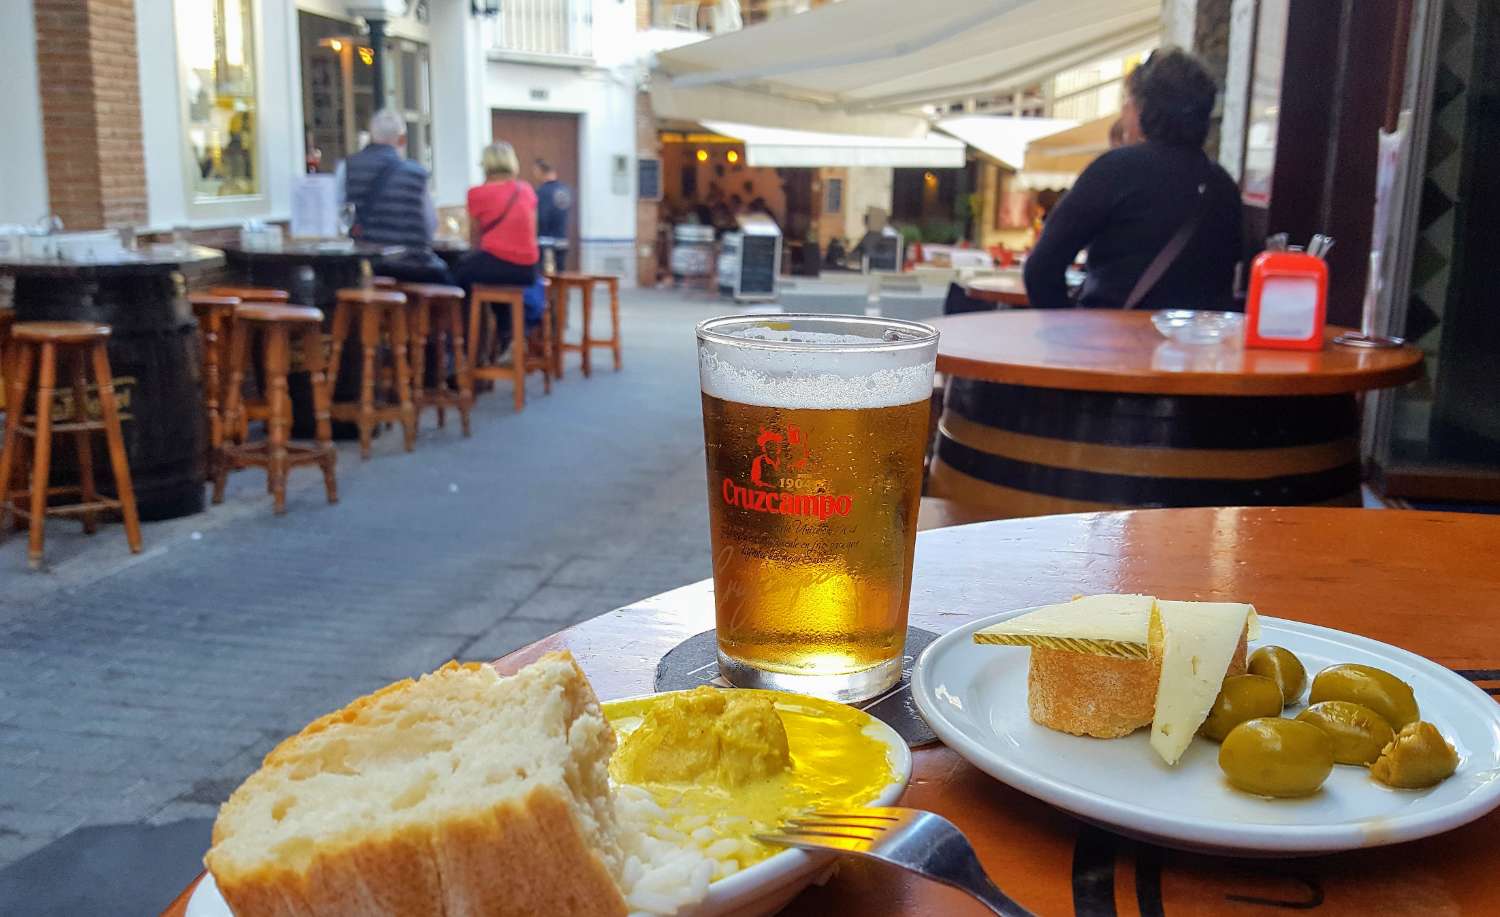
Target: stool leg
column 547, row 355
column 105, row 382
column 278, row 364
column 400, row 345
column 87, row 492
column 588, row 322
column 213, row 347
column 41, row 464
column 239, row 349
column 369, row 337
column 560, row 325
column 312, row 344
column 419, row 329
column 518, row 349
column 15, row 406
column 338, row 331
column 614, row 319
column 461, row 367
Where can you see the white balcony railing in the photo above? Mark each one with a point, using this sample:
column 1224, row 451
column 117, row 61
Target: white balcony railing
column 544, row 28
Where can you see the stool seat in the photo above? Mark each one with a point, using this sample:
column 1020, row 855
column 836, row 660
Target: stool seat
column 361, row 296
column 268, row 312
column 382, row 282
column 204, row 303
column 250, row 294
column 431, row 290
column 59, row 332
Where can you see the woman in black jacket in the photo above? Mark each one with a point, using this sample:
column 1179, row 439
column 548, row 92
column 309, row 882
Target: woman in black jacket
column 1129, row 203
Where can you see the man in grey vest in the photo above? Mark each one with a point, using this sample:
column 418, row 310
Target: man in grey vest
column 391, row 202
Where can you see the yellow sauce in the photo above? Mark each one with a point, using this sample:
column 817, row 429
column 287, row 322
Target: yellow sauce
column 834, row 763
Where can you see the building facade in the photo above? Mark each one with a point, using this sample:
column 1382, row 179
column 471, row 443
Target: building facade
column 197, row 115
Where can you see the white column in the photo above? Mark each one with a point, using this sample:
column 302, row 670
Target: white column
column 22, row 161
column 1179, row 20
column 460, row 119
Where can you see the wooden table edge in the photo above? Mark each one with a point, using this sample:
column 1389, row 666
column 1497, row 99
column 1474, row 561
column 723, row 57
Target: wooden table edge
column 1181, row 383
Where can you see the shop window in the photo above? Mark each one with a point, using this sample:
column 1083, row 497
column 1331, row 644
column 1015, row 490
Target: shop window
column 217, row 47
column 833, row 197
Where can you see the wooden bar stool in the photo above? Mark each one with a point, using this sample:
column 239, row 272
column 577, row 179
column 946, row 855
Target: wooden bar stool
column 435, row 314
column 526, row 356
column 215, row 316
column 278, row 454
column 380, row 312
column 36, row 346
column 7, row 318
column 563, row 284
column 250, row 294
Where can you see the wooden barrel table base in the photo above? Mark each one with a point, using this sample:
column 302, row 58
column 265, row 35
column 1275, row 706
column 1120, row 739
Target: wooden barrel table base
column 1023, row 451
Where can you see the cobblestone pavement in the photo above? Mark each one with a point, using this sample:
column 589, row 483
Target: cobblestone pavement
column 142, row 690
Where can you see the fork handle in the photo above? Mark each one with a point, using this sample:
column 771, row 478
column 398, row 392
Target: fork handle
column 996, row 900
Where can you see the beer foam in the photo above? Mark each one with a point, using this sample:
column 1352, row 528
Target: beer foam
column 802, row 379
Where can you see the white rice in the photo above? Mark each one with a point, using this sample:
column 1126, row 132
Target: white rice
column 671, row 856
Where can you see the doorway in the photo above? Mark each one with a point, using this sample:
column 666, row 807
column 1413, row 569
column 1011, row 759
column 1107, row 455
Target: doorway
column 548, row 135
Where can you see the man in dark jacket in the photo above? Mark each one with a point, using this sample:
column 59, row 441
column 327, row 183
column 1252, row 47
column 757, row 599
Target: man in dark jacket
column 1130, row 203
column 391, row 202
column 553, row 201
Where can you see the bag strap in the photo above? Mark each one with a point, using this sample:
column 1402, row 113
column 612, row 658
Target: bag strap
column 376, row 187
column 1168, row 255
column 493, row 224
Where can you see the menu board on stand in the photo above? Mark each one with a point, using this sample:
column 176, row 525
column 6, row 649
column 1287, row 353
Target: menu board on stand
column 759, row 258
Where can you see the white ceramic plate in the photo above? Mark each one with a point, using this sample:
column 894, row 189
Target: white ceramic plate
column 974, row 697
column 758, row 890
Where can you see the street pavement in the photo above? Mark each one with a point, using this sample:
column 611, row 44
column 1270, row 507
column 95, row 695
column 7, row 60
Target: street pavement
column 137, row 692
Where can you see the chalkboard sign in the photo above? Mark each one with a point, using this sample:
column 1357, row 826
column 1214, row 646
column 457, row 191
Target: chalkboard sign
column 760, row 258
column 885, row 253
column 648, row 179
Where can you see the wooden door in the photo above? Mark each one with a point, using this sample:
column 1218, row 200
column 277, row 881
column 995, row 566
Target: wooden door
column 548, row 135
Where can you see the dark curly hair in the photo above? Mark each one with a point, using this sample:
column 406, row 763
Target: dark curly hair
column 1174, row 95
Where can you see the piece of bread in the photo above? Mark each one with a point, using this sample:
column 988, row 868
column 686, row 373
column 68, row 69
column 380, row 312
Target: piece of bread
column 1089, row 694
column 462, row 793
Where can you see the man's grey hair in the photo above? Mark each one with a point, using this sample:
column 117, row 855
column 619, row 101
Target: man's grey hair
column 387, row 127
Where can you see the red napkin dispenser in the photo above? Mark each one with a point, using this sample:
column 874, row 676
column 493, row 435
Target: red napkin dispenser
column 1288, row 303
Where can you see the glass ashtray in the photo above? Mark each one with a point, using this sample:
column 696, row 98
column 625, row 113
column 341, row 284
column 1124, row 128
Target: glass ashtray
column 1190, row 326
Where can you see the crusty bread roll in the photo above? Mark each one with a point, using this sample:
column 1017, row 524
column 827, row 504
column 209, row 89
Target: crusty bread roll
column 462, row 793
column 1088, row 694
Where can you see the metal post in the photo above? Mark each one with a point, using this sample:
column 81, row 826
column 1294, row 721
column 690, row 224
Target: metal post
column 377, row 48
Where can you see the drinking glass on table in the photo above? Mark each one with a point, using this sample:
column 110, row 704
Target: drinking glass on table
column 814, row 427
column 347, row 216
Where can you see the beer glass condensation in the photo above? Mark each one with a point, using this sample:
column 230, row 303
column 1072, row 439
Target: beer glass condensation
column 814, row 427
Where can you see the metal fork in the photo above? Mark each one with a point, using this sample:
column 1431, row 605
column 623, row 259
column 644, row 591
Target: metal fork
column 923, row 842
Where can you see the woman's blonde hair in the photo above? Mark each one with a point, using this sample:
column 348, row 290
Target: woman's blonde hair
column 499, row 158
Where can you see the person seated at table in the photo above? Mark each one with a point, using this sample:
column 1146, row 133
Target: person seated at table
column 502, row 233
column 392, row 205
column 1160, row 220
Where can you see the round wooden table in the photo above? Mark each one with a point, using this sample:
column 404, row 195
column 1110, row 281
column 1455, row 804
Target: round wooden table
column 1055, row 411
column 1006, row 289
column 1408, row 578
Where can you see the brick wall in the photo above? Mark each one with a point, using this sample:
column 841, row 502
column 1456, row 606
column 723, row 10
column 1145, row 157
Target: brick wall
column 647, row 213
column 91, row 111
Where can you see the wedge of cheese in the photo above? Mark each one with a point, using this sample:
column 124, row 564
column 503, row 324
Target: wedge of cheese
column 1195, row 643
column 1104, row 625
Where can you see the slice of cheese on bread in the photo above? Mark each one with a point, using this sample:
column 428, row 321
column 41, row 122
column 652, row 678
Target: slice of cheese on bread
column 1094, row 670
column 1195, row 644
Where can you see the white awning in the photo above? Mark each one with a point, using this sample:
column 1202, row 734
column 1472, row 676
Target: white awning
column 864, row 56
column 1002, row 138
column 778, row 148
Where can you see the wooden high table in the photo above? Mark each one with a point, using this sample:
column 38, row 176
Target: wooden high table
column 1006, row 289
column 1058, row 411
column 1417, row 580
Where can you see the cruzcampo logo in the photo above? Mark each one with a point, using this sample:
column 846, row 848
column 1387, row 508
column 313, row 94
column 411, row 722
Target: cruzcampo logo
column 779, row 470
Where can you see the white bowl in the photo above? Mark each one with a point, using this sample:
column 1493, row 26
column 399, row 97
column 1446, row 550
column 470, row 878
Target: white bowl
column 1190, row 326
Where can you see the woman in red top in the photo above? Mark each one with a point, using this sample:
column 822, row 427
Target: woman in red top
column 502, row 228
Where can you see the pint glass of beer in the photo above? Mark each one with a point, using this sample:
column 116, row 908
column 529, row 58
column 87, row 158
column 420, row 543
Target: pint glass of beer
column 814, row 427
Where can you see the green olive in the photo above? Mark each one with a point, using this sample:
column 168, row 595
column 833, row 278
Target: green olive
column 1276, row 757
column 1418, row 757
column 1358, row 733
column 1243, row 697
column 1282, row 666
column 1367, row 686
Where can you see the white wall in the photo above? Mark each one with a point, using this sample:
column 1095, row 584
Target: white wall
column 279, row 144
column 23, row 188
column 605, row 100
column 460, row 118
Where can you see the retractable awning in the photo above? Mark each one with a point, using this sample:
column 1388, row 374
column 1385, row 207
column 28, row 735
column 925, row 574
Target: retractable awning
column 1054, row 161
column 867, row 56
column 1001, row 138
column 777, row 147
